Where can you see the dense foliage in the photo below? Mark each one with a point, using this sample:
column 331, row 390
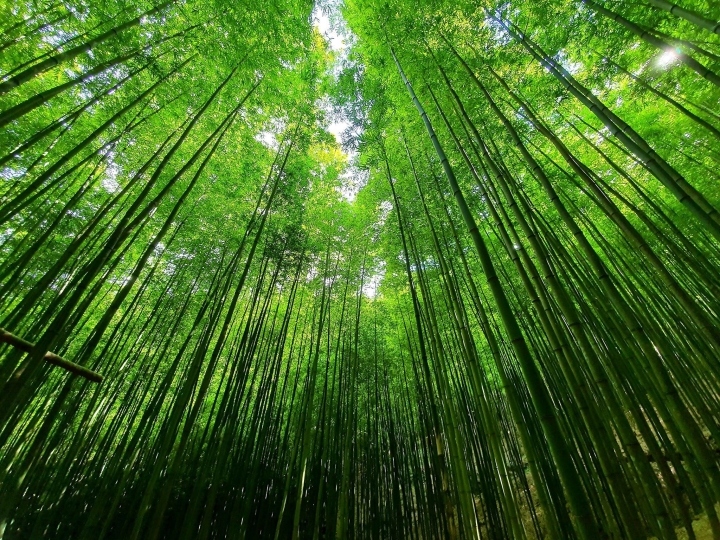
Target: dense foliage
column 492, row 312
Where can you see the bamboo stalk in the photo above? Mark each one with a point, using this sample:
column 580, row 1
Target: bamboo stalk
column 50, row 357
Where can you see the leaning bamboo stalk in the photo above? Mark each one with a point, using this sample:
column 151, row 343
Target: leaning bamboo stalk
column 50, row 357
column 68, row 55
column 689, row 15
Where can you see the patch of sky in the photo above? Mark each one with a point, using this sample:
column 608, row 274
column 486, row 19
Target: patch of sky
column 371, row 285
column 500, row 34
column 327, row 19
column 385, row 208
column 667, row 59
column 6, row 234
column 11, row 173
column 109, row 182
column 567, row 63
column 55, row 36
column 269, row 134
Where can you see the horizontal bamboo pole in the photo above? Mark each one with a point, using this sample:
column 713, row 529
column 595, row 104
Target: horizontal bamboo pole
column 50, row 357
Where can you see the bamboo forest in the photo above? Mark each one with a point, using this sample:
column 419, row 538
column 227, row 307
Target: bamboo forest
column 359, row 269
